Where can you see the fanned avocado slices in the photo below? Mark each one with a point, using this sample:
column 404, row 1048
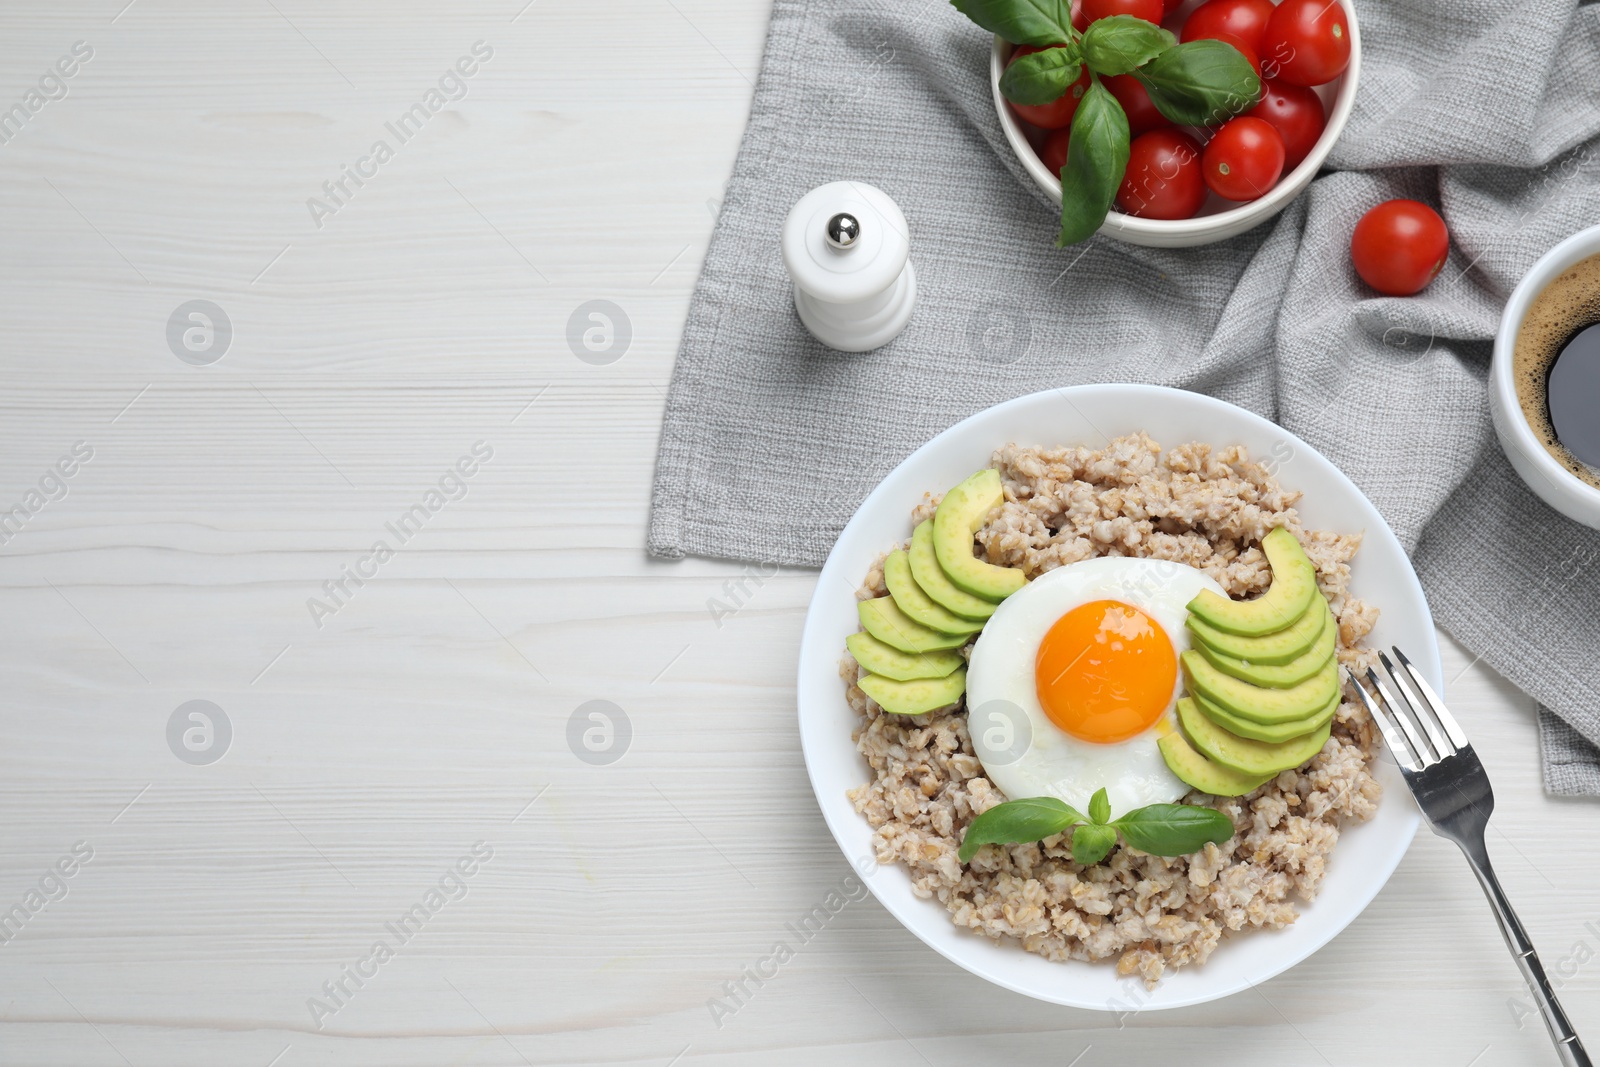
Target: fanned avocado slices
column 1283, row 675
column 1266, row 706
column 1268, row 649
column 883, row 620
column 931, row 578
column 1273, row 734
column 910, row 599
column 876, row 657
column 1263, row 675
column 960, row 513
column 940, row 595
column 914, row 697
column 1294, row 585
column 1197, row 772
column 1243, row 754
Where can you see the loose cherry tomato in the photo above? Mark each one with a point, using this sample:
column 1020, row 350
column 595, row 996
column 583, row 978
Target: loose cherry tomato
column 1399, row 247
column 1244, row 19
column 1149, row 10
column 1307, row 42
column 1080, row 21
column 1244, row 159
column 1296, row 112
column 1058, row 113
column 1163, row 177
column 1130, row 93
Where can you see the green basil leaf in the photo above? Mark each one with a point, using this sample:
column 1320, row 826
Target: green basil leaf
column 1097, row 154
column 1016, row 821
column 1038, row 22
column 1100, row 806
column 1200, row 83
column 1091, row 843
column 1174, row 829
column 1041, row 77
column 1118, row 44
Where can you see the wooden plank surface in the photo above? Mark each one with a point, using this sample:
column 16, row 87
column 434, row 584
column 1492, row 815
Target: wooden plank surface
column 425, row 713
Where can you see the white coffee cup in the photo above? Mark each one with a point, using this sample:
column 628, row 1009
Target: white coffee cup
column 1554, row 484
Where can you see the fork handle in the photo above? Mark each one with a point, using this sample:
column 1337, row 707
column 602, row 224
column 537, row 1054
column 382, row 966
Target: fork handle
column 1568, row 1047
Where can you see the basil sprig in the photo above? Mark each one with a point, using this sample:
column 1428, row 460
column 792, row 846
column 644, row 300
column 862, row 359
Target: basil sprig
column 1200, row 83
column 1091, row 842
column 1097, row 156
column 1159, row 829
column 1039, row 22
column 1019, row 820
column 1121, row 43
column 1040, row 77
column 1100, row 807
column 1174, row 829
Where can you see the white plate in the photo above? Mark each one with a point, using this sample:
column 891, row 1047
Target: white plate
column 1381, row 574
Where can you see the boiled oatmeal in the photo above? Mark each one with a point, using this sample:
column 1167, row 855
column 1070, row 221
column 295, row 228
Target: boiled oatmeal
column 1204, row 507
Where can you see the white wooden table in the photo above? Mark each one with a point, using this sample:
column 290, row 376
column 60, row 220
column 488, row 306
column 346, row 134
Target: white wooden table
column 379, row 739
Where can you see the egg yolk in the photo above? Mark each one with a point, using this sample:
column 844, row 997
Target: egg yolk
column 1105, row 671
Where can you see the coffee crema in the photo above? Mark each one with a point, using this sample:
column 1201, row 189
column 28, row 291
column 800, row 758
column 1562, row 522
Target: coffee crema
column 1556, row 366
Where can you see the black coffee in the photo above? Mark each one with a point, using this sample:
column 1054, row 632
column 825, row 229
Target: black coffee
column 1556, row 364
column 1575, row 395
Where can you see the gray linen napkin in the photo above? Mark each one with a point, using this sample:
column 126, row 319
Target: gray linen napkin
column 1489, row 111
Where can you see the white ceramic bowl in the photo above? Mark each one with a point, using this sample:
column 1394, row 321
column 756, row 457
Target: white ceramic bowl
column 1554, row 484
column 1381, row 573
column 1218, row 218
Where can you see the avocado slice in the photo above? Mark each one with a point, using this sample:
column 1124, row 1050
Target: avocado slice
column 1294, row 584
column 1268, row 649
column 1266, row 706
column 883, row 620
column 960, row 513
column 916, row 697
column 909, row 598
column 878, row 658
column 1272, row 735
column 1283, row 675
column 925, row 569
column 1243, row 754
column 1197, row 772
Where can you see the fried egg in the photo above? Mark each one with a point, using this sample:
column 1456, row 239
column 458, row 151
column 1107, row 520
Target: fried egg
column 1075, row 678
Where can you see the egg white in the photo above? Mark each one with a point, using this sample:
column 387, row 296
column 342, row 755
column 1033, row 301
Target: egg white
column 1025, row 754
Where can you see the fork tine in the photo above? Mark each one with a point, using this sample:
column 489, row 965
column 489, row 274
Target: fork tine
column 1458, row 736
column 1425, row 752
column 1399, row 747
column 1424, row 715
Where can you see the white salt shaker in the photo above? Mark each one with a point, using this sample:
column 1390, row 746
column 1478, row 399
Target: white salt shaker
column 848, row 251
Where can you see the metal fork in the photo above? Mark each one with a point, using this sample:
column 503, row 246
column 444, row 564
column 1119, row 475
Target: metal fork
column 1452, row 789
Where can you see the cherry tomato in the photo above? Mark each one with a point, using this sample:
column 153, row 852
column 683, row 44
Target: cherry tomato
column 1130, row 93
column 1296, row 112
column 1163, row 177
column 1399, row 247
column 1080, row 22
column 1053, row 152
column 1149, row 10
column 1058, row 113
column 1307, row 42
column 1244, row 19
column 1244, row 159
